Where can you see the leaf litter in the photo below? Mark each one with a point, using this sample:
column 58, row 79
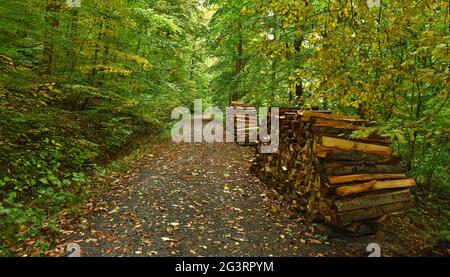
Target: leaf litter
column 196, row 200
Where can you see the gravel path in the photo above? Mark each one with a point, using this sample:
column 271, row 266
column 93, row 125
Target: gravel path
column 200, row 199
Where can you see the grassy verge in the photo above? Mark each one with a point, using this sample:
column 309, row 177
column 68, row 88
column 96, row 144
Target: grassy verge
column 52, row 158
column 99, row 181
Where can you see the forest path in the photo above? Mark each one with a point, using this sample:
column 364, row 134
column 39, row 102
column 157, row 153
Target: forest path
column 199, row 199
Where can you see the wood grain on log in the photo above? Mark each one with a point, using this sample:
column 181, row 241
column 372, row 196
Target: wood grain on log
column 375, row 185
column 333, row 180
column 348, row 145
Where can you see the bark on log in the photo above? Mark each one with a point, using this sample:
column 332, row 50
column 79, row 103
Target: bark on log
column 372, row 200
column 372, row 212
column 309, row 115
column 334, row 180
column 352, row 156
column 338, row 169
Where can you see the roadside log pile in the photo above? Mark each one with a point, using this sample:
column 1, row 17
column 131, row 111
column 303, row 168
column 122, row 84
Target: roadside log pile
column 341, row 180
column 245, row 124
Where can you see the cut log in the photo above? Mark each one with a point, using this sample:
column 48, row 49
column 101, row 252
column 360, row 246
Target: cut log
column 245, row 120
column 372, row 212
column 375, row 185
column 348, row 145
column 237, row 104
column 372, row 200
column 246, row 123
column 247, row 129
column 308, row 115
column 244, row 116
column 375, row 140
column 335, row 124
column 298, row 109
column 338, row 169
column 352, row 156
column 333, row 180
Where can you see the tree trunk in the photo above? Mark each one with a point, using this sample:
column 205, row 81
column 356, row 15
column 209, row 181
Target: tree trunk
column 273, row 81
column 71, row 53
column 96, row 52
column 238, row 68
column 412, row 145
column 299, row 92
column 52, row 20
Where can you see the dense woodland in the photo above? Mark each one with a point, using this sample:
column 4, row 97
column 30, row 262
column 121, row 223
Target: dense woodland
column 80, row 84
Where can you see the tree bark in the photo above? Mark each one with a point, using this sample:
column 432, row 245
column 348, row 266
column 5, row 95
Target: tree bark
column 299, row 92
column 71, row 53
column 96, row 52
column 412, row 145
column 238, row 68
column 52, row 20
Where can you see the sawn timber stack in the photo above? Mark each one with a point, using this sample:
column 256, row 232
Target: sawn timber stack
column 341, row 180
column 245, row 124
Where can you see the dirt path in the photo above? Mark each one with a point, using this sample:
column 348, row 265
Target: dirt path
column 201, row 200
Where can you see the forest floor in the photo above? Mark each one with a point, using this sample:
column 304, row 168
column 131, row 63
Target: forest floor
column 200, row 199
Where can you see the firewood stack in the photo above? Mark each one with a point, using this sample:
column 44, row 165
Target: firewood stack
column 249, row 123
column 335, row 178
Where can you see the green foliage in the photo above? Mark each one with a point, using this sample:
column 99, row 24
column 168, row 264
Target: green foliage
column 77, row 85
column 387, row 63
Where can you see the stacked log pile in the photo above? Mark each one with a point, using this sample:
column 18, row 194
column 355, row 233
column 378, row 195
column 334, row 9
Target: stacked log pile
column 335, row 178
column 244, row 125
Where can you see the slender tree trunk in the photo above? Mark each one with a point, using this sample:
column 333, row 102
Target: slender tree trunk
column 52, row 20
column 106, row 44
column 273, row 81
column 193, row 62
column 238, row 68
column 432, row 168
column 299, row 92
column 138, row 46
column 412, row 149
column 299, row 89
column 71, row 54
column 96, row 52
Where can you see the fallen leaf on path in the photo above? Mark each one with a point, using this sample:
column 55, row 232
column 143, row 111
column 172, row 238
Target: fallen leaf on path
column 172, row 239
